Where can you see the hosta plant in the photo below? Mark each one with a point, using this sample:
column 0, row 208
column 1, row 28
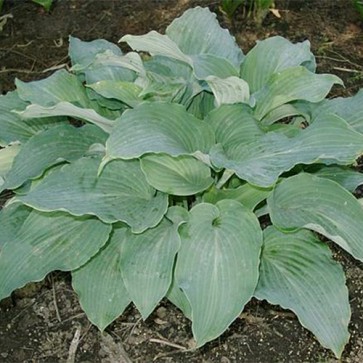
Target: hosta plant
column 145, row 175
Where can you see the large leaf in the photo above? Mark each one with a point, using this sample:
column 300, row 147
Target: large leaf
column 68, row 109
column 291, row 266
column 322, row 205
column 182, row 175
column 348, row 178
column 12, row 127
column 205, row 65
column 61, row 86
column 293, row 84
column 126, row 92
column 130, row 62
column 120, row 193
column 271, row 56
column 155, row 44
column 147, row 261
column 99, row 284
column 85, row 63
column 217, row 265
column 47, row 242
column 82, row 53
column 160, row 128
column 234, row 125
column 247, row 194
column 50, row 147
column 229, row 90
column 197, row 32
column 350, row 109
column 11, row 217
column 328, row 140
column 195, row 39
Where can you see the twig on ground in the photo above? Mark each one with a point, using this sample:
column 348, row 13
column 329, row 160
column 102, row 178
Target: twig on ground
column 347, row 70
column 73, row 317
column 165, row 342
column 132, row 330
column 74, row 345
column 116, row 352
column 55, row 301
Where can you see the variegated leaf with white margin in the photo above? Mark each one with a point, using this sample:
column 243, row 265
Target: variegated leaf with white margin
column 271, row 56
column 292, row 84
column 291, row 265
column 229, row 90
column 147, row 261
column 45, row 242
column 217, row 265
column 99, row 284
column 158, row 128
column 322, row 205
column 50, row 147
column 120, row 193
column 328, row 140
column 182, row 175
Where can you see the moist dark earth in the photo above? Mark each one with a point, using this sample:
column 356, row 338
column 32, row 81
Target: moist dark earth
column 43, row 322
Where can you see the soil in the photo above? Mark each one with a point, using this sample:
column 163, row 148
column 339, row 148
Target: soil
column 41, row 322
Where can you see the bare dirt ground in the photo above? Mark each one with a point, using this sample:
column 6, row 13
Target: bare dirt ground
column 41, row 322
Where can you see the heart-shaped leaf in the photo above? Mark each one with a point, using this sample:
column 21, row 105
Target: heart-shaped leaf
column 217, row 265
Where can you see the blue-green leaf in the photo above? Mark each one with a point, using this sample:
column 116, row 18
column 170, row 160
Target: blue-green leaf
column 217, row 265
column 120, row 193
column 197, row 32
column 293, row 84
column 322, row 205
column 99, row 284
column 271, row 56
column 291, row 266
column 159, row 128
column 328, row 140
column 47, row 242
column 147, row 261
column 51, row 147
column 182, row 175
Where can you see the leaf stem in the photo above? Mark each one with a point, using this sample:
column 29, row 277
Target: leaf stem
column 225, row 177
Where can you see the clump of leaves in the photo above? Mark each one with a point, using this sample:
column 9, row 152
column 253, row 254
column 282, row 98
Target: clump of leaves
column 159, row 192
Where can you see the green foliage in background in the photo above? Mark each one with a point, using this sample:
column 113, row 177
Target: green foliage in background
column 45, row 3
column 257, row 9
column 159, row 192
column 359, row 6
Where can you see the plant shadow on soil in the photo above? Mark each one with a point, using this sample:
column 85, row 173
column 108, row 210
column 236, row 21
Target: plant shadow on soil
column 39, row 322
